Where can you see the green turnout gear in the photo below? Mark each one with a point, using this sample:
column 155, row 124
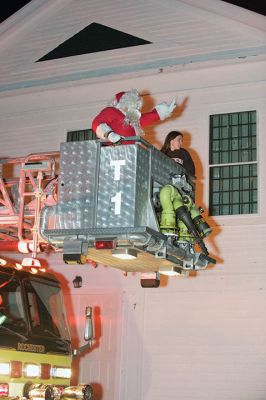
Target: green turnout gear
column 190, row 225
column 168, row 217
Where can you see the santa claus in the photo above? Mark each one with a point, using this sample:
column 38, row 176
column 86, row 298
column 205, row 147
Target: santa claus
column 124, row 118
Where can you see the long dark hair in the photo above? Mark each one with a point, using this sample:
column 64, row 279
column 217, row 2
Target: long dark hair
column 171, row 135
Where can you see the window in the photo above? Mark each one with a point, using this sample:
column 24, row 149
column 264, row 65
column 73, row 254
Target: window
column 80, row 136
column 12, row 315
column 233, row 164
column 47, row 316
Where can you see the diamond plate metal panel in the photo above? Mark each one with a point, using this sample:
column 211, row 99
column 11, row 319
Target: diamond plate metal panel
column 124, row 182
column 143, row 183
column 77, row 185
column 117, row 186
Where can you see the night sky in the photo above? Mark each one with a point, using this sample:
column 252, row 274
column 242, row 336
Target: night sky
column 258, row 6
column 9, row 7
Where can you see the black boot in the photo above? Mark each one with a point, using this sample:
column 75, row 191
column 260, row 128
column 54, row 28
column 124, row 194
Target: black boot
column 183, row 214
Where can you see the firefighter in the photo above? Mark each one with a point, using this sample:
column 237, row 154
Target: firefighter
column 172, row 147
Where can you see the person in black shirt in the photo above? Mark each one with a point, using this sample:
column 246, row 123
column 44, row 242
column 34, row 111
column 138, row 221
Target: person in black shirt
column 172, row 147
column 187, row 212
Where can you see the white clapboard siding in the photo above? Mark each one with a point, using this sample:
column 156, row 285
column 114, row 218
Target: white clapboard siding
column 180, row 33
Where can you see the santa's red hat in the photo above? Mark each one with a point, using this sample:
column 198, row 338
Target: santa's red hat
column 119, row 95
column 129, row 100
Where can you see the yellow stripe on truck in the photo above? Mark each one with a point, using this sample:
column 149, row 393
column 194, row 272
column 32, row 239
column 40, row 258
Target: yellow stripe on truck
column 55, row 360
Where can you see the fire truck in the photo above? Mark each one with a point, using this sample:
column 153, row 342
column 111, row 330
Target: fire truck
column 128, row 206
column 35, row 347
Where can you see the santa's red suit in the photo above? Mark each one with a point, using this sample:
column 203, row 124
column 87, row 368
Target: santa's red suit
column 115, row 119
column 124, row 118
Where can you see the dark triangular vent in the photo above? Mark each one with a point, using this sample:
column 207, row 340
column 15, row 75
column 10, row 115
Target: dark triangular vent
column 92, row 39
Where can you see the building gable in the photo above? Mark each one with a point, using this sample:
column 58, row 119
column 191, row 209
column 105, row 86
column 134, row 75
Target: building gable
column 177, row 33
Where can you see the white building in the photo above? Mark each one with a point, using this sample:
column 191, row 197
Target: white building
column 200, row 338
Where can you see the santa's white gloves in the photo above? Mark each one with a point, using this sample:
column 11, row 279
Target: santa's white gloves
column 104, row 131
column 165, row 110
column 114, row 137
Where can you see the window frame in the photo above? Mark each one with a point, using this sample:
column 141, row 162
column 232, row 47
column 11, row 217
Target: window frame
column 249, row 163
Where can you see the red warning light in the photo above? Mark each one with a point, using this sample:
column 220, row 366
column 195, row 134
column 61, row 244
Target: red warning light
column 104, row 244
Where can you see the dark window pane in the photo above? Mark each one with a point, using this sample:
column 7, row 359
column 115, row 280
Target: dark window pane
column 215, row 120
column 225, row 133
column 225, row 145
column 246, row 209
column 234, row 131
column 244, row 143
column 234, row 119
column 245, row 183
column 215, row 158
column 215, row 145
column 225, row 158
column 235, row 209
column 216, row 173
column 225, row 184
column 216, row 186
column 253, row 117
column 216, row 198
column 244, row 118
column 235, row 191
column 225, row 172
column 245, row 130
column 224, row 119
column 215, row 133
column 225, row 197
column 253, row 129
column 235, row 170
column 235, row 183
column 81, row 135
column 234, row 144
column 235, row 156
column 245, row 156
column 225, row 210
column 235, row 197
column 245, row 196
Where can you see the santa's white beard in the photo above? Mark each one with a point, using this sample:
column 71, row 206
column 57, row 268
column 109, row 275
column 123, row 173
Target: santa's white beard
column 132, row 118
column 130, row 105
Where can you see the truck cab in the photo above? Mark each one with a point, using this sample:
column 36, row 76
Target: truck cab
column 35, row 346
